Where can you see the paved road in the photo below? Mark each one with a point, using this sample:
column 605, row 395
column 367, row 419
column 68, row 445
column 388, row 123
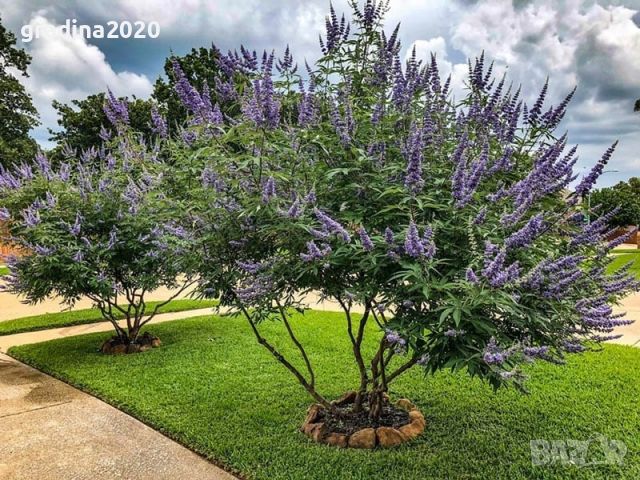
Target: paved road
column 51, row 431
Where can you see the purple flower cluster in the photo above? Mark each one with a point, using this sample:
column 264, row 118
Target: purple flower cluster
column 587, row 183
column 395, row 340
column 466, row 178
column 417, row 247
column 367, row 244
column 337, row 32
column 413, row 153
column 452, row 333
column 314, row 252
column 268, row 190
column 331, row 226
column 158, row 123
column 255, row 289
column 198, row 104
column 495, row 271
column 526, row 235
column 210, row 179
column 31, row 216
column 261, row 105
column 117, row 111
column 494, row 354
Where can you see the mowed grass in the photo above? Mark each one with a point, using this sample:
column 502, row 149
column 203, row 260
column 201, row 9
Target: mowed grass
column 3, row 270
column 621, row 259
column 89, row 315
column 214, row 389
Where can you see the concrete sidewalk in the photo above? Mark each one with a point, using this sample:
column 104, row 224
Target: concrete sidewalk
column 12, row 306
column 9, row 341
column 51, row 431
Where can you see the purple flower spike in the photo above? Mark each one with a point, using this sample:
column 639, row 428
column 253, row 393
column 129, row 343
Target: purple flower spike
column 367, row 244
column 268, row 190
column 413, row 244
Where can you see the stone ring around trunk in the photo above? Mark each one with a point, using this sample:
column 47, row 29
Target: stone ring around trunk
column 316, row 428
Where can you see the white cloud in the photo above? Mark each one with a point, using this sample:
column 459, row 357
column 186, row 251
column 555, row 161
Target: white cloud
column 66, row 68
column 593, row 44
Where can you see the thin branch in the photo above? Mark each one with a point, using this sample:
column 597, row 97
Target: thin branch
column 294, row 339
column 262, row 341
column 400, row 370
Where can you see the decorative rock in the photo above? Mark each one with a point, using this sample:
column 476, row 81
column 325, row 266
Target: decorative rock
column 416, row 416
column 365, row 438
column 312, row 414
column 119, row 348
column 389, row 437
column 345, row 399
column 145, row 347
column 106, row 347
column 412, row 430
column 405, row 404
column 337, row 440
column 155, row 343
column 318, row 432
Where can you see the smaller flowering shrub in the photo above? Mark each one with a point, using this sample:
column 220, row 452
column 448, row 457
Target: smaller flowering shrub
column 99, row 226
column 451, row 225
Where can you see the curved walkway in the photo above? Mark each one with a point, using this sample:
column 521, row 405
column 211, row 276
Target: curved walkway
column 51, row 431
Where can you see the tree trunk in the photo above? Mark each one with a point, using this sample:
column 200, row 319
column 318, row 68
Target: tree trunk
column 376, row 400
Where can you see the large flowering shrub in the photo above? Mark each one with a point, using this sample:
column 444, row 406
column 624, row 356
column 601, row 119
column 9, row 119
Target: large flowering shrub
column 450, row 224
column 99, row 226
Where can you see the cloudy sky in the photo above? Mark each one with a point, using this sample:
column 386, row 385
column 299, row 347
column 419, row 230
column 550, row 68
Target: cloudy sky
column 594, row 44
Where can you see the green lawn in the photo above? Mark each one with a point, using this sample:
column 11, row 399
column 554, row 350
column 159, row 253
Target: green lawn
column 212, row 388
column 88, row 315
column 622, row 259
column 3, row 270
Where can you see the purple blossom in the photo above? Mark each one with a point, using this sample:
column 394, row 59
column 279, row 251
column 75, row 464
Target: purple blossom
column 413, row 245
column 367, row 244
column 31, row 217
column 77, row 225
column 158, row 123
column 311, row 198
column 315, row 253
column 211, row 179
column 117, row 111
column 394, row 338
column 51, row 200
column 413, row 153
column 113, row 239
column 44, row 251
column 332, row 226
column 536, row 352
column 526, row 234
column 587, row 183
column 4, row 214
column 268, row 190
column 295, row 210
column 471, row 276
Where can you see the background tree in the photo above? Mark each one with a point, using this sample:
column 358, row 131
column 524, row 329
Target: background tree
column 82, row 122
column 17, row 113
column 200, row 68
column 625, row 197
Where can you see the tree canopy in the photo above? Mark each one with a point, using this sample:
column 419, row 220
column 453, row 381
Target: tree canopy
column 17, row 113
column 624, row 197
